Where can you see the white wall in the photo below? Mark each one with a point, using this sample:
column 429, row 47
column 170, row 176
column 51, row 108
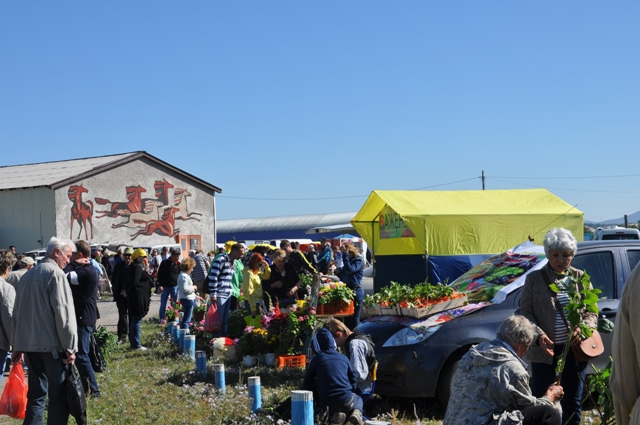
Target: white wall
column 117, row 224
column 21, row 211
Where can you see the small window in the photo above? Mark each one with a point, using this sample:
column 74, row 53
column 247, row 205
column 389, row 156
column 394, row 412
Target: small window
column 633, row 256
column 600, row 267
column 619, row 237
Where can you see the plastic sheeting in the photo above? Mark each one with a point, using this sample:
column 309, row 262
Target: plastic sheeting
column 449, row 268
column 460, row 222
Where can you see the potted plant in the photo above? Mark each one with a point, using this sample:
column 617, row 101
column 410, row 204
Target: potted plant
column 335, row 298
column 172, row 313
column 199, row 310
column 251, row 344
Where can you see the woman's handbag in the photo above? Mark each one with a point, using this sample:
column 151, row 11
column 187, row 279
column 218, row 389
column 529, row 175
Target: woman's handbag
column 587, row 349
column 75, row 396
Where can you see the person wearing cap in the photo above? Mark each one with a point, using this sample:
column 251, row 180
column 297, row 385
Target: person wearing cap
column 139, row 295
column 168, row 281
column 119, row 285
column 26, row 264
column 83, row 281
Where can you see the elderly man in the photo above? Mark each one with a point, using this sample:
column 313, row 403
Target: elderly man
column 168, row 280
column 45, row 333
column 491, row 385
column 26, row 264
column 119, row 285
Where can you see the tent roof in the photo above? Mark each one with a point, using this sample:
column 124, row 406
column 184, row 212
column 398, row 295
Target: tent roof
column 464, row 222
column 463, row 202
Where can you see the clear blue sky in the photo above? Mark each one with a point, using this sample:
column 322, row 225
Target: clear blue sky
column 294, row 100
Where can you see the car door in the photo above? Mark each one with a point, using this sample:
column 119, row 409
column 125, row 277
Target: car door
column 605, row 267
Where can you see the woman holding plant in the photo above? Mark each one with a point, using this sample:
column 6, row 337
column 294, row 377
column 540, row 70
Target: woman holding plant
column 252, row 276
column 546, row 295
column 186, row 291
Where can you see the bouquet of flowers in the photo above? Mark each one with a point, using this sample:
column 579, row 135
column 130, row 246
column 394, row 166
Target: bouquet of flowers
column 337, row 291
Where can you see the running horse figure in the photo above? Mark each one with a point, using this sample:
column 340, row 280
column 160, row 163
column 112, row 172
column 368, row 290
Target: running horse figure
column 123, row 208
column 165, row 226
column 80, row 211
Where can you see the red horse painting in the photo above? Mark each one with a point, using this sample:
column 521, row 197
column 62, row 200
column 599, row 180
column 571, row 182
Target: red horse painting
column 123, row 208
column 80, row 211
column 165, row 226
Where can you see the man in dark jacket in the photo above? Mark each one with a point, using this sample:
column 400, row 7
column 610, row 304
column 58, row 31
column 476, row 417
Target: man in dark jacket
column 330, row 374
column 168, row 280
column 83, row 280
column 119, row 285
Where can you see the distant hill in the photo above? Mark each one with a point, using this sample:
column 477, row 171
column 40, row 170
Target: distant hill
column 633, row 218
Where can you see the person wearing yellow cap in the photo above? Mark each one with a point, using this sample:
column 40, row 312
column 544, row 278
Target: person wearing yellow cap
column 139, row 295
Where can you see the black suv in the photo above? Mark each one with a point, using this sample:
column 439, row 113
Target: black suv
column 425, row 368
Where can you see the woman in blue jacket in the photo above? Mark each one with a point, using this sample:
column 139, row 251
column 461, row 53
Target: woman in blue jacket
column 351, row 273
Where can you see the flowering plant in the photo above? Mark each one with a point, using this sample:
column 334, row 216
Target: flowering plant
column 337, row 291
column 253, row 342
column 299, row 325
column 173, row 311
column 201, row 306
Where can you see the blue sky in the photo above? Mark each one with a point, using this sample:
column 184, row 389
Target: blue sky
column 299, row 100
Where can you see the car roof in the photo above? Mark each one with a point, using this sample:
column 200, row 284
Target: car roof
column 610, row 243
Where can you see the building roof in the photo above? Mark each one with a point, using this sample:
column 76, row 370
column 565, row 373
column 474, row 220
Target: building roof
column 59, row 173
column 296, row 222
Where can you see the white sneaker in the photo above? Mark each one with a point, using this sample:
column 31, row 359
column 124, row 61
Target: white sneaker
column 141, row 348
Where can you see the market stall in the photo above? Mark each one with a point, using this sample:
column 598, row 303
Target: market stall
column 405, row 230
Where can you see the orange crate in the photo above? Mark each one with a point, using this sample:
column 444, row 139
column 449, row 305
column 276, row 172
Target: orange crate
column 337, row 307
column 291, row 361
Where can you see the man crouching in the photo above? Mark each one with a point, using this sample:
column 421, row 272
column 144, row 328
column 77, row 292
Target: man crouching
column 491, row 385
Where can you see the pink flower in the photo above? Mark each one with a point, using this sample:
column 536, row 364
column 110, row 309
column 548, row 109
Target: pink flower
column 300, row 319
column 248, row 329
column 306, row 317
column 332, row 286
column 312, row 311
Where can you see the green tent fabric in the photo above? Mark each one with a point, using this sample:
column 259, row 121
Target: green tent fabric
column 461, row 222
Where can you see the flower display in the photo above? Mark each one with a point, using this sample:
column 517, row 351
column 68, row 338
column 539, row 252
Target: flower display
column 173, row 311
column 253, row 342
column 335, row 291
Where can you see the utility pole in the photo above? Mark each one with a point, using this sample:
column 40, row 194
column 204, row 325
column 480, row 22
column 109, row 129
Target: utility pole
column 482, row 179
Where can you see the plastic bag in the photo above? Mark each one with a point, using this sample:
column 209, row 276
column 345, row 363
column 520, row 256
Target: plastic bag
column 212, row 323
column 98, row 362
column 14, row 397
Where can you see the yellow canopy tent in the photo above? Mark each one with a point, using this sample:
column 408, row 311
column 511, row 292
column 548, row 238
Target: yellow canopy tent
column 443, row 223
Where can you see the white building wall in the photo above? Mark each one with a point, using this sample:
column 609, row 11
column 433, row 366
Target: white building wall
column 27, row 216
column 138, row 219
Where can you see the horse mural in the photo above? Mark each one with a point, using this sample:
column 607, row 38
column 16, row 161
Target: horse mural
column 161, row 188
column 123, row 208
column 80, row 211
column 180, row 201
column 165, row 226
column 151, row 211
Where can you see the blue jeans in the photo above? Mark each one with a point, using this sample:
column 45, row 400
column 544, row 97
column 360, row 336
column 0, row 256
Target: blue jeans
column 134, row 331
column 353, row 321
column 544, row 375
column 46, row 376
column 3, row 362
column 223, row 310
column 166, row 292
column 187, row 309
column 83, row 362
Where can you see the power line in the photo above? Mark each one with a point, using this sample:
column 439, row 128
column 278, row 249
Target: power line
column 336, row 197
column 565, row 178
column 570, row 190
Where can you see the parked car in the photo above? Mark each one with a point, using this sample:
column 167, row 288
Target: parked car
column 423, row 366
column 616, row 233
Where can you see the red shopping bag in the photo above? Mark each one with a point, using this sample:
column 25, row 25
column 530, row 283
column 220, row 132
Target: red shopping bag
column 14, row 397
column 212, row 322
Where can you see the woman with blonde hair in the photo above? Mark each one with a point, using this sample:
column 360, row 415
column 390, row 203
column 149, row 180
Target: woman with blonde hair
column 252, row 276
column 186, row 290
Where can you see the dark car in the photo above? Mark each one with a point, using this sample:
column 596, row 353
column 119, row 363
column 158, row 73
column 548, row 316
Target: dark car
column 412, row 365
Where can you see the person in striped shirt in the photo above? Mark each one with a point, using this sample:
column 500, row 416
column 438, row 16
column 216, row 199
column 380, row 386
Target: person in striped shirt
column 220, row 286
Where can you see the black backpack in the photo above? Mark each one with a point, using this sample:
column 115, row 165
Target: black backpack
column 98, row 363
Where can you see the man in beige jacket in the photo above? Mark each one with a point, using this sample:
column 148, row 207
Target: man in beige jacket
column 44, row 332
column 625, row 373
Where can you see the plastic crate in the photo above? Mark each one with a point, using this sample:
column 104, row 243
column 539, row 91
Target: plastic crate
column 336, row 307
column 288, row 361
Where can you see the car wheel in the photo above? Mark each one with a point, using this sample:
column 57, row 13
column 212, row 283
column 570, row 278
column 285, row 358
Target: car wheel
column 446, row 378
